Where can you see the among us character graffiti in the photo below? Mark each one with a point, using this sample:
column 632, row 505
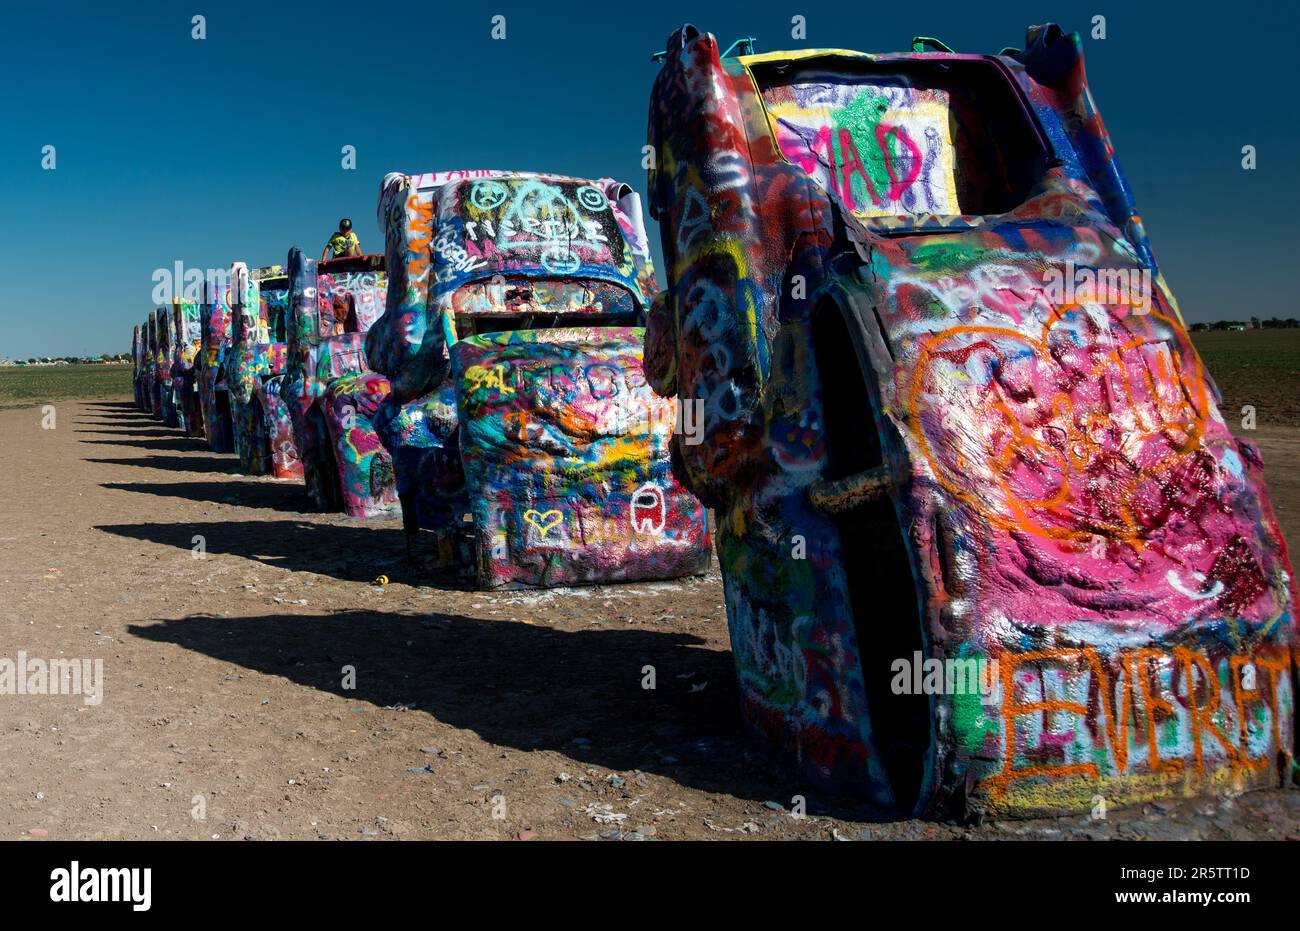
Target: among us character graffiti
column 255, row 367
column 952, row 418
column 328, row 390
column 649, row 510
column 525, row 438
column 215, row 324
column 186, row 345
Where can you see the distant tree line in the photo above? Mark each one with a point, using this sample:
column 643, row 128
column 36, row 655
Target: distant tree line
column 1255, row 323
column 70, row 360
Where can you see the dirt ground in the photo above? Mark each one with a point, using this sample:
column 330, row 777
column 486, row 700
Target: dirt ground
column 225, row 714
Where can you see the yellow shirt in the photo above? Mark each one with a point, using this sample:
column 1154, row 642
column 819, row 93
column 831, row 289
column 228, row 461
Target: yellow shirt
column 342, row 243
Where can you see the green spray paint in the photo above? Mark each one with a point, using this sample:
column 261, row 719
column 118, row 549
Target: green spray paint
column 860, row 116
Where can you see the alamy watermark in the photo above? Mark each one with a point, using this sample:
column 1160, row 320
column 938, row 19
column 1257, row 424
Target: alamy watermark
column 951, row 676
column 77, row 883
column 31, row 676
column 1112, row 286
column 187, row 283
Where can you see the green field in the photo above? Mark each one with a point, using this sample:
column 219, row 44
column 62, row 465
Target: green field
column 30, row 385
column 1256, row 367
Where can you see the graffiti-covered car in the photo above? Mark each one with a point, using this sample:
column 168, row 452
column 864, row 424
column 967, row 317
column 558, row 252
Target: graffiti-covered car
column 329, row 392
column 215, row 324
column 138, row 385
column 522, row 429
column 187, row 340
column 255, row 368
column 988, row 546
column 149, row 365
column 163, row 360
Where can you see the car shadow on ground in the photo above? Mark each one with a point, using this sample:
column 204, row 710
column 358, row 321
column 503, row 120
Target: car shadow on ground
column 352, row 552
column 177, row 463
column 520, row 685
column 139, row 423
column 179, row 443
column 284, row 496
column 116, row 408
column 119, row 405
column 166, row 432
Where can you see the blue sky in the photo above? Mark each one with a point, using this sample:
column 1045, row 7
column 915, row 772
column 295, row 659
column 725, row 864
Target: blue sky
column 205, row 152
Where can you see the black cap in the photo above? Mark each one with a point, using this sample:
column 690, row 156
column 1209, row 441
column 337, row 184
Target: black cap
column 345, row 224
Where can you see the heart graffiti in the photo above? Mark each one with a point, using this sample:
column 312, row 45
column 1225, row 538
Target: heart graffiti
column 543, row 521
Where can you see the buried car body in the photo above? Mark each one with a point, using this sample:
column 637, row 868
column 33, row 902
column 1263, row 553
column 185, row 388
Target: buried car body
column 254, row 365
column 328, row 391
column 214, row 396
column 922, row 439
column 165, row 404
column 186, row 343
column 522, row 429
column 140, row 390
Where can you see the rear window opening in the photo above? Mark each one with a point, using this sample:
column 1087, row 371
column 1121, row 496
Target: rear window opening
column 893, row 138
column 274, row 291
column 876, row 564
column 277, row 314
column 543, row 296
column 339, row 315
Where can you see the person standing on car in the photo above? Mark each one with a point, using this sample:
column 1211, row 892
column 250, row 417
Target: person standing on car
column 342, row 243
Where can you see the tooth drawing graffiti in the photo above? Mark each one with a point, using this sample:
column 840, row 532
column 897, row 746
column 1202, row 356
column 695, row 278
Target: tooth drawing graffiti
column 919, row 442
column 520, row 422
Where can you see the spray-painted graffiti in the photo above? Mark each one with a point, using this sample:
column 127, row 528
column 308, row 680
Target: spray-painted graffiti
column 541, row 429
column 185, row 350
column 901, row 407
column 1065, row 721
column 882, row 149
column 256, row 359
column 163, row 359
column 565, row 450
column 149, row 365
column 274, row 427
column 424, row 440
column 215, row 320
column 330, row 396
column 138, row 383
column 1105, row 527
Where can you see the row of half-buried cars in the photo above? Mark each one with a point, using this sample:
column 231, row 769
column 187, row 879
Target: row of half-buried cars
column 988, row 546
column 499, row 402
